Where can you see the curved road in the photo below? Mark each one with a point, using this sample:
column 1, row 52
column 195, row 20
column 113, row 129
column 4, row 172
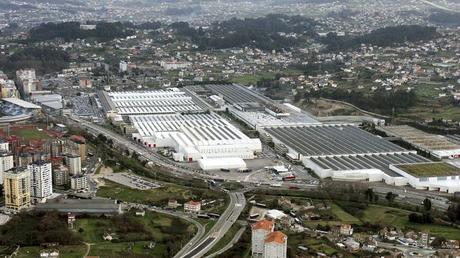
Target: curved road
column 444, row 8
column 223, row 224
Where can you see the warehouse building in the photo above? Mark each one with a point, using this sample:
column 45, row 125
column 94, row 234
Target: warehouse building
column 344, row 152
column 438, row 146
column 256, row 110
column 82, row 206
column 128, row 103
column 437, row 176
column 196, row 137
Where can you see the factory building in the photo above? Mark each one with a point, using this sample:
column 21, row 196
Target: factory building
column 196, row 137
column 147, row 102
column 438, row 146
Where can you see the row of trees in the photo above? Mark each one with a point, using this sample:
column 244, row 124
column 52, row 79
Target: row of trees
column 42, row 59
column 105, row 31
column 379, row 101
column 35, row 228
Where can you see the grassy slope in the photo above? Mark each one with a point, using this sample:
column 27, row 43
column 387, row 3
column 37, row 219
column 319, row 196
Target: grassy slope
column 94, row 228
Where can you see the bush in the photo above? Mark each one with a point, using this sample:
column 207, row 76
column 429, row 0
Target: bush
column 424, row 218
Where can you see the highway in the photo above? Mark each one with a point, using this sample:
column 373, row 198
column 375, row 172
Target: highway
column 408, row 251
column 141, row 150
column 444, row 8
column 413, row 196
column 230, row 244
column 223, row 224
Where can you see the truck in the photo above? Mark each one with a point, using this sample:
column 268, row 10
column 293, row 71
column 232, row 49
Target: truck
column 289, row 178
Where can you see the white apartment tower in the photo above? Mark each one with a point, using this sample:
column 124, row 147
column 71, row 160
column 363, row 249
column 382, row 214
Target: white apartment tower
column 275, row 245
column 41, row 179
column 6, row 163
column 260, row 231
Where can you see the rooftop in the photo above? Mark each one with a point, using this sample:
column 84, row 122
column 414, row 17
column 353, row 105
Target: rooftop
column 98, row 206
column 21, row 103
column 419, row 138
column 276, row 237
column 430, row 169
column 263, row 224
column 335, row 139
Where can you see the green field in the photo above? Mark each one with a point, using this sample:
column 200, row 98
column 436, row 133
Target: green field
column 342, row 215
column 160, row 228
column 430, row 169
column 29, row 133
column 314, row 244
column 399, row 218
column 159, row 196
column 133, row 249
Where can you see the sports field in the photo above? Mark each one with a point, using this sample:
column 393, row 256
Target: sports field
column 29, row 133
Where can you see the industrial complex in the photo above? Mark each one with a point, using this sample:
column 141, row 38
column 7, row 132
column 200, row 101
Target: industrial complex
column 188, row 123
column 195, row 137
column 438, row 146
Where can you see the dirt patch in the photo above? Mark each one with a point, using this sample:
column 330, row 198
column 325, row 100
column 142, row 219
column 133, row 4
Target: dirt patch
column 321, row 107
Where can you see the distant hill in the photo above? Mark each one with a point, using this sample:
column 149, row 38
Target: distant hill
column 267, row 32
column 105, row 31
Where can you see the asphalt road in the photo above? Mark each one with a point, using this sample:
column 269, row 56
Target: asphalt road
column 414, row 196
column 444, row 8
column 235, row 239
column 408, row 250
column 223, row 224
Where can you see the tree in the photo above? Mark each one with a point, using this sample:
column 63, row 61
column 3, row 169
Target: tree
column 438, row 242
column 370, row 195
column 427, row 204
column 390, row 197
column 453, row 212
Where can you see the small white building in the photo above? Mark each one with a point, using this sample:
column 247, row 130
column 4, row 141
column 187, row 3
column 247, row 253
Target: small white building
column 346, row 230
column 351, row 244
column 192, row 207
column 78, row 182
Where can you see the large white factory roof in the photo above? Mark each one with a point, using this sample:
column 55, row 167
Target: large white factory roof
column 150, row 102
column 196, row 137
column 198, row 128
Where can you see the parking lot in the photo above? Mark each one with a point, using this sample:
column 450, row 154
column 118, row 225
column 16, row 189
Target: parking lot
column 132, row 181
column 86, row 106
